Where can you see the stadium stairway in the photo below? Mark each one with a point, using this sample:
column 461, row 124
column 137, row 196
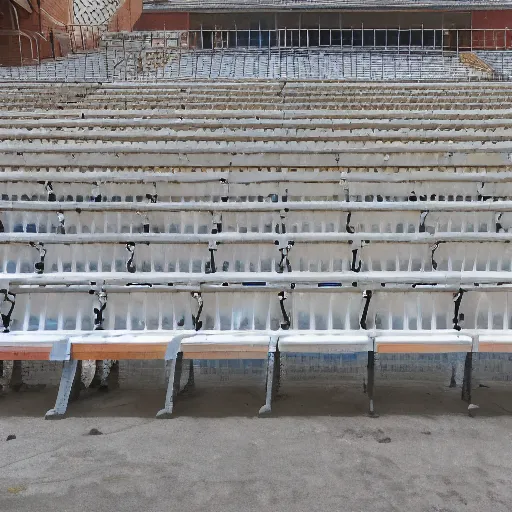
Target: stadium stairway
column 245, row 220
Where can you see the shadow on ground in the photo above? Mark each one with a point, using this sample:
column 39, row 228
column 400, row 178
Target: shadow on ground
column 391, row 398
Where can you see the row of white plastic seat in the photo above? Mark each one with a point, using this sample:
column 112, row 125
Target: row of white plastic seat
column 270, row 189
column 275, row 92
column 272, row 86
column 387, row 122
column 261, row 205
column 254, row 238
column 424, row 309
column 168, row 103
column 224, row 137
column 162, row 124
column 473, row 196
column 322, row 223
column 353, row 112
column 275, row 154
column 485, row 175
column 216, row 102
column 266, row 86
column 200, row 260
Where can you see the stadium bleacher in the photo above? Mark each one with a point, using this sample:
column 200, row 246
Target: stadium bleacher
column 241, row 219
column 166, row 204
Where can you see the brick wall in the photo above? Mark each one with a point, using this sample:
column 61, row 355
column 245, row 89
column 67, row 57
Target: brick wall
column 126, row 16
column 163, row 21
column 54, row 15
column 51, row 14
column 9, row 49
column 500, row 20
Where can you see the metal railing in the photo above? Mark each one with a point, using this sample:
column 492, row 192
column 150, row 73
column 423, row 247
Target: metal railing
column 32, row 54
column 85, row 37
column 456, row 40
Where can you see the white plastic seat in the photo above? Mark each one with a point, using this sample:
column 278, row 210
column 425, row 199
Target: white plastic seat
column 495, row 342
column 325, row 343
column 28, row 347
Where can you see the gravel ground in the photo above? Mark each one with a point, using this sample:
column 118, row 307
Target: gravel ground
column 318, row 452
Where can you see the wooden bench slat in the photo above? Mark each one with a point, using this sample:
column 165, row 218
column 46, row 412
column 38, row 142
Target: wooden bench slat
column 225, row 355
column 25, row 353
column 494, row 347
column 88, row 351
column 421, row 348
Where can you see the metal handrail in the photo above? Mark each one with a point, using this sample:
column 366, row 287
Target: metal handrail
column 22, row 33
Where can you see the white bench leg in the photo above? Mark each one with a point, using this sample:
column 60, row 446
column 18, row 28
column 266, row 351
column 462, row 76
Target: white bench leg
column 173, row 387
column 273, row 375
column 69, row 387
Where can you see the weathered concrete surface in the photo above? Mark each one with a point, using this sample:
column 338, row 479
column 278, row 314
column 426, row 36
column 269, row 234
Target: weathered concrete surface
column 217, row 456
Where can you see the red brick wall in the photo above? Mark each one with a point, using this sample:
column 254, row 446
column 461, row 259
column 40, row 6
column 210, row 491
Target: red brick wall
column 8, row 45
column 55, row 15
column 163, row 21
column 60, row 10
column 52, row 14
column 500, row 20
column 126, row 16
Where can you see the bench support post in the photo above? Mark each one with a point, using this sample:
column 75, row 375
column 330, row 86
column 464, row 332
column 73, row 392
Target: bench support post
column 371, row 380
column 273, row 375
column 457, row 372
column 112, row 379
column 69, row 388
column 16, row 380
column 174, row 357
column 6, row 373
column 466, row 381
column 173, row 387
column 191, row 384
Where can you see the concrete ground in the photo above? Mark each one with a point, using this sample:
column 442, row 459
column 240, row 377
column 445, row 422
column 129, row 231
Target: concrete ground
column 318, row 452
